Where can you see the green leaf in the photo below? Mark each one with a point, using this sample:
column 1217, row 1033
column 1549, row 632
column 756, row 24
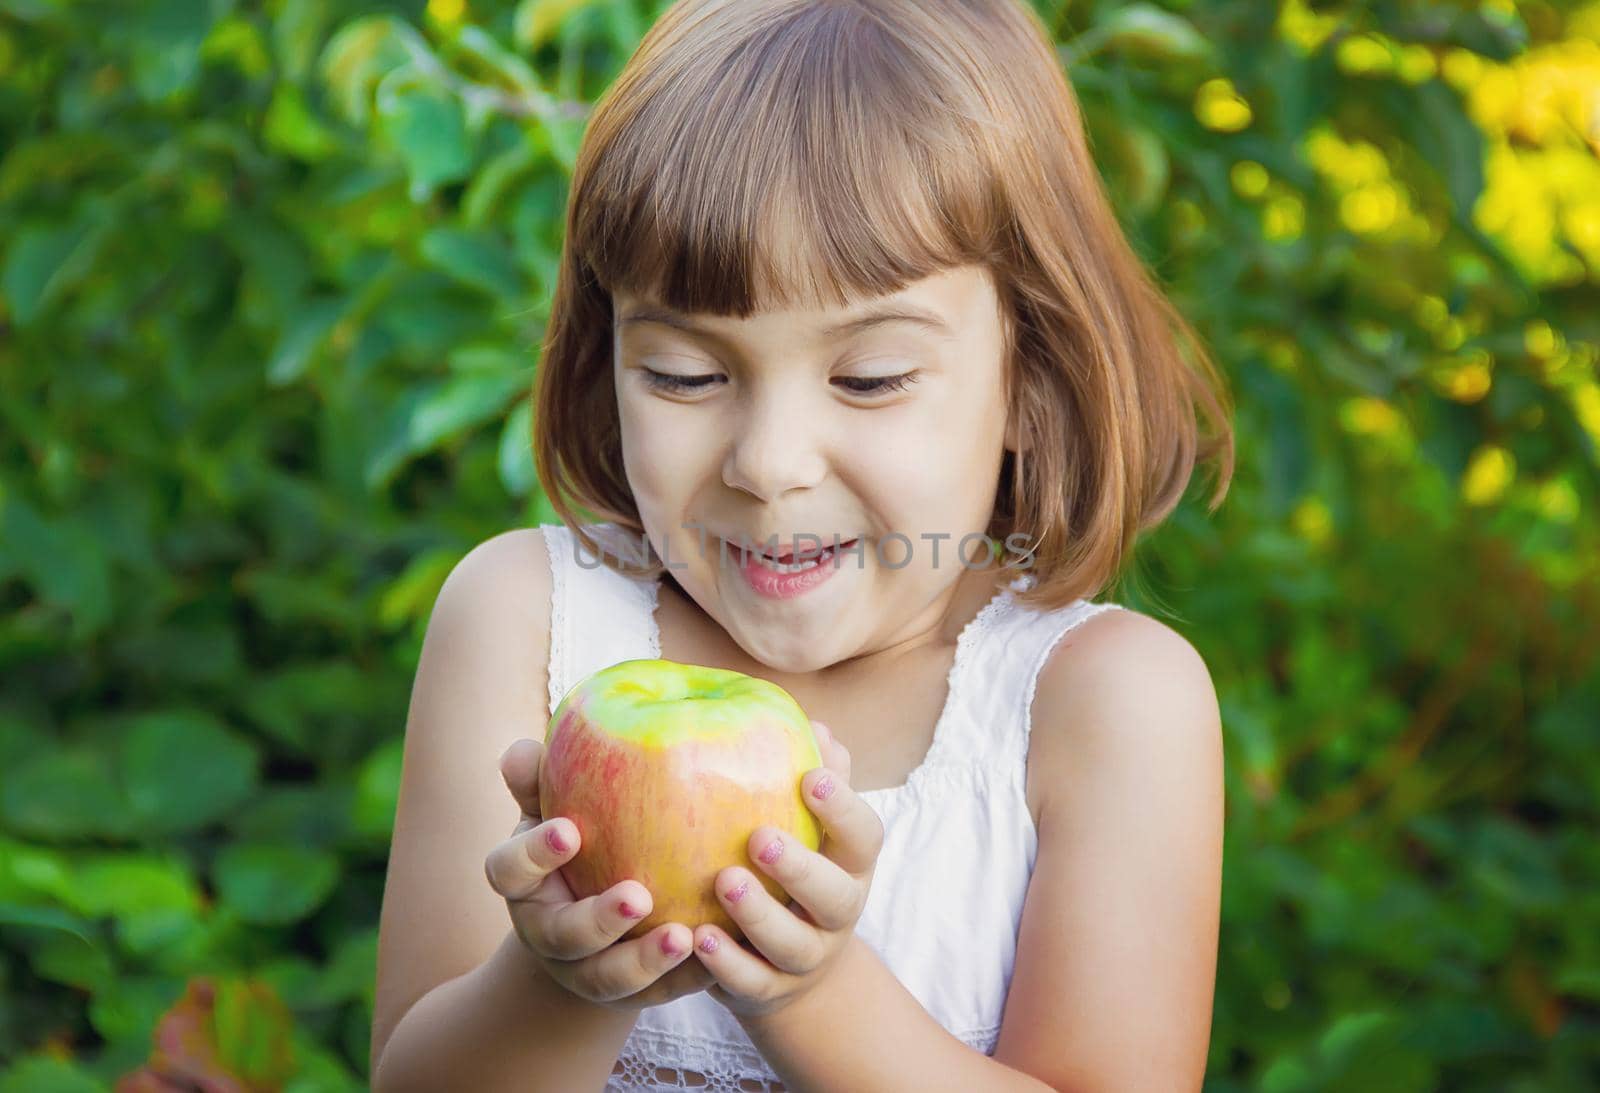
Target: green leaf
column 183, row 769
column 170, row 939
column 412, row 594
column 48, row 918
column 49, row 1074
column 1447, row 141
column 297, row 29
column 302, row 338
column 310, row 707
column 1148, row 32
column 537, row 21
column 363, row 52
column 127, row 1009
column 199, row 652
column 274, row 885
column 115, row 884
column 306, row 815
column 428, row 129
column 254, row 1033
column 430, row 416
column 477, row 45
column 64, row 958
column 490, row 182
column 290, row 127
column 477, row 259
column 168, row 35
column 517, row 471
column 45, row 261
column 61, row 795
column 1146, row 171
column 351, row 972
column 378, row 791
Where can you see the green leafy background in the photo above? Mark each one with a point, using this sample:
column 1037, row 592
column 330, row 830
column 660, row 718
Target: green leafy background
column 271, row 279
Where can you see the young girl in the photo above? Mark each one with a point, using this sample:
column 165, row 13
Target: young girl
column 837, row 273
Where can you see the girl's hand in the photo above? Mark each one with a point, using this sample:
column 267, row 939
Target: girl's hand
column 573, row 939
column 796, row 944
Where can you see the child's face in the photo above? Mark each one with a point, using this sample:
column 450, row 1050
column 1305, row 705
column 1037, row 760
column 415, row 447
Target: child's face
column 786, row 439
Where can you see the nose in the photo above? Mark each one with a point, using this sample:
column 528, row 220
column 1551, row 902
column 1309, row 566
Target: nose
column 773, row 451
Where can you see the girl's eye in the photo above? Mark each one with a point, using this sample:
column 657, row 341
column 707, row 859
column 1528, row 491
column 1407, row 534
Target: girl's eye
column 861, row 385
column 667, row 382
column 874, row 385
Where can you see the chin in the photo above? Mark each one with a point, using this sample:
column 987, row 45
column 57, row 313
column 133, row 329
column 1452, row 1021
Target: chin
column 790, row 661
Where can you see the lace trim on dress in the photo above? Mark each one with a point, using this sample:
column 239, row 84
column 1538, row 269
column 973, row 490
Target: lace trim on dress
column 556, row 540
column 1089, row 612
column 662, row 1060
column 954, row 685
column 652, row 598
column 717, row 1066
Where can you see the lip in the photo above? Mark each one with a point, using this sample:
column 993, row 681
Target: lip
column 772, row 585
column 742, row 546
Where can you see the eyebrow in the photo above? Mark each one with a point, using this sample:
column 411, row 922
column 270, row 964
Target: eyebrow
column 874, row 317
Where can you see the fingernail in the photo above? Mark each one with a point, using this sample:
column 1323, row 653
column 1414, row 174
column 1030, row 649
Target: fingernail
column 557, row 843
column 823, row 788
column 629, row 910
column 737, row 894
column 709, row 943
column 773, row 852
column 670, row 947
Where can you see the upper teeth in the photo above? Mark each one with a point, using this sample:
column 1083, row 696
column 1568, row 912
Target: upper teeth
column 793, row 567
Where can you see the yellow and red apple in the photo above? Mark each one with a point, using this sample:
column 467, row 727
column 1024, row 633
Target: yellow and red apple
column 667, row 769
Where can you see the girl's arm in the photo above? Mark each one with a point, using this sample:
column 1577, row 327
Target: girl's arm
column 1116, row 953
column 460, row 1004
column 861, row 1029
column 502, row 1026
column 1117, row 950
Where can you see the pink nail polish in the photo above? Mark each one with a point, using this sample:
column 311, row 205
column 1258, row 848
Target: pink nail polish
column 709, row 944
column 670, row 947
column 823, row 789
column 629, row 910
column 773, row 852
column 737, row 894
column 557, row 843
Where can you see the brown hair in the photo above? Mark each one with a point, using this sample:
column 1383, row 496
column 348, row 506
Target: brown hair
column 877, row 142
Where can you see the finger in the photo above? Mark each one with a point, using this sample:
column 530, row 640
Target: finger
column 746, row 975
column 852, row 829
column 831, row 896
column 519, row 767
column 631, row 966
column 689, row 977
column 517, row 866
column 791, row 944
column 572, row 930
column 834, row 754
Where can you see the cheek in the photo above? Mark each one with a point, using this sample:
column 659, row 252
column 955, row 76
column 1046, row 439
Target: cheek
column 663, row 456
column 910, row 466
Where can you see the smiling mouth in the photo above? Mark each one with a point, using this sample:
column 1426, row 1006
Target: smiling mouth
column 788, row 556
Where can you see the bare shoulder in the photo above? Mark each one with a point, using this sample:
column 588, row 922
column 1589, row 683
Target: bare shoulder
column 480, row 684
column 504, row 581
column 1122, row 687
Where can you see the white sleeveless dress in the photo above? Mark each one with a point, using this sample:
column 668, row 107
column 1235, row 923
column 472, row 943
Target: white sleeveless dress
column 959, row 841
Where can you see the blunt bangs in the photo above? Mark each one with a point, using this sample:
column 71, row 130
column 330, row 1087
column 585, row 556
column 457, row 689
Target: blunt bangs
column 797, row 158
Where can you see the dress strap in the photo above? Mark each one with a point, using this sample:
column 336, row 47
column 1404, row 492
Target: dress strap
column 1008, row 651
column 598, row 616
